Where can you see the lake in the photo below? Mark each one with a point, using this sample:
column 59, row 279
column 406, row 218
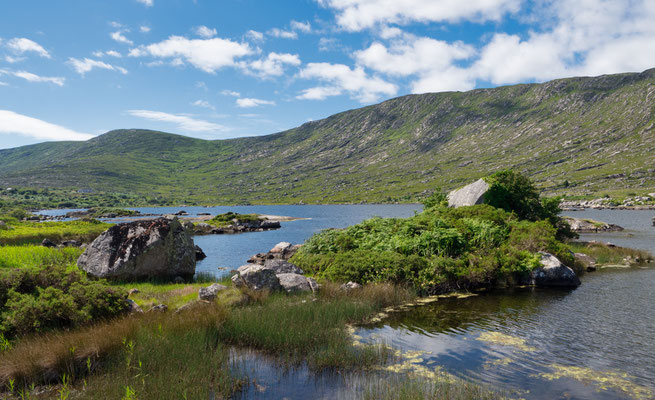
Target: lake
column 594, row 342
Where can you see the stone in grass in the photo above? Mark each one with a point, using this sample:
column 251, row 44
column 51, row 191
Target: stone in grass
column 158, row 308
column 209, row 293
column 295, row 283
column 48, row 243
column 350, row 286
column 282, row 266
column 256, row 277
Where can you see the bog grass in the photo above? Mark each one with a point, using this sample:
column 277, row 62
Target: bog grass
column 408, row 387
column 604, row 254
column 31, row 256
column 26, row 232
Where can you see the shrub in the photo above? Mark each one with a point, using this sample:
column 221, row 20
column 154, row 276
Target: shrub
column 39, row 299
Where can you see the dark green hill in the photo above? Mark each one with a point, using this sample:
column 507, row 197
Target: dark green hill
column 597, row 134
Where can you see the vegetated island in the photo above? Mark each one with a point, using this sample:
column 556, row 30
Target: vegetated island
column 64, row 333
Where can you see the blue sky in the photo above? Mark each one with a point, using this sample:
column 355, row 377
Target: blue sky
column 71, row 70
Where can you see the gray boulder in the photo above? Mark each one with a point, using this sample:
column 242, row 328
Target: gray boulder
column 587, row 261
column 350, row 286
column 256, row 277
column 295, row 283
column 134, row 308
column 209, row 293
column 281, row 251
column 553, row 273
column 469, row 195
column 282, row 266
column 158, row 248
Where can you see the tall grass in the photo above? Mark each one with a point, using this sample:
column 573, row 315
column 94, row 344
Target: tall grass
column 604, row 254
column 407, row 387
column 35, row 232
column 31, row 256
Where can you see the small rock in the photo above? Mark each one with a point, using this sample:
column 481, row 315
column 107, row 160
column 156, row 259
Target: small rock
column 281, row 248
column 295, row 283
column 200, row 255
column 256, row 277
column 209, row 293
column 133, row 291
column 48, row 243
column 553, row 273
column 71, row 243
column 588, row 262
column 350, row 286
column 134, row 308
column 159, row 308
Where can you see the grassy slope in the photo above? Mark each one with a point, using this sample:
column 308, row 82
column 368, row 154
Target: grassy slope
column 595, row 133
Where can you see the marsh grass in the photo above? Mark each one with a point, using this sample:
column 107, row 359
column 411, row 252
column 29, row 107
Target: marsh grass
column 31, row 256
column 409, row 387
column 34, row 232
column 604, row 254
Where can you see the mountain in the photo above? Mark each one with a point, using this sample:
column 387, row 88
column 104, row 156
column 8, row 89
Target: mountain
column 583, row 136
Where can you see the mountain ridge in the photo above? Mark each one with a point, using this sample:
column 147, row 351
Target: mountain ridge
column 583, row 135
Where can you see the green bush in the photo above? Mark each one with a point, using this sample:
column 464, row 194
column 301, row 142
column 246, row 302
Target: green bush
column 39, row 299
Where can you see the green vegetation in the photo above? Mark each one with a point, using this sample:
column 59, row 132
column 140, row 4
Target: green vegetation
column 229, row 218
column 604, row 254
column 439, row 250
column 43, row 298
column 27, row 232
column 581, row 137
column 105, row 212
column 406, row 387
column 31, row 256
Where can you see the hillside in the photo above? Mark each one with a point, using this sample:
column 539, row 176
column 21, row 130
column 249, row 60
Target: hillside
column 580, row 136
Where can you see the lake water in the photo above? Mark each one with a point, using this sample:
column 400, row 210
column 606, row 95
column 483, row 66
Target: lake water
column 594, row 342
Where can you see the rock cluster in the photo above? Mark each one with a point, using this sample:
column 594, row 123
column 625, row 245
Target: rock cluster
column 260, row 225
column 588, row 226
column 158, row 248
column 273, row 272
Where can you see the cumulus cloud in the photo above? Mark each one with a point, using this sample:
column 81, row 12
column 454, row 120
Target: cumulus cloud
column 232, row 93
column 208, row 55
column 30, row 77
column 272, row 65
column 120, row 38
column 305, row 27
column 341, row 78
column 24, row 45
column 144, row 29
column 203, row 104
column 12, row 123
column 204, row 31
column 280, row 33
column 147, row 3
column 255, row 36
column 111, row 53
column 355, row 15
column 86, row 65
column 250, row 102
column 183, row 122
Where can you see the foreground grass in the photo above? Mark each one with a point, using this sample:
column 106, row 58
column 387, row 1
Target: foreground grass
column 32, row 256
column 410, row 387
column 604, row 254
column 26, row 232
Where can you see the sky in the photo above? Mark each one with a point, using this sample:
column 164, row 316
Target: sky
column 210, row 69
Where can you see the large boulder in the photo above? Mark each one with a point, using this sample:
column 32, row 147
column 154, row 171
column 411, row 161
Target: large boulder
column 469, row 195
column 159, row 248
column 281, row 251
column 256, row 277
column 553, row 273
column 282, row 266
column 295, row 283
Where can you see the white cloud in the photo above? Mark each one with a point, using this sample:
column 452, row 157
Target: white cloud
column 341, row 78
column 279, row 33
column 23, row 45
column 255, row 36
column 120, row 38
column 13, row 60
column 183, row 122
column 250, row 102
column 144, row 29
column 203, row 104
column 86, row 65
column 12, row 123
column 328, row 44
column 111, row 53
column 147, row 3
column 204, row 31
column 305, row 27
column 355, row 15
column 208, row 55
column 30, row 77
column 3, row 83
column 230, row 93
column 272, row 65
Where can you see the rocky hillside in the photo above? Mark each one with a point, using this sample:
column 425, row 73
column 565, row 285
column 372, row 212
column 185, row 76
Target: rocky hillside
column 582, row 136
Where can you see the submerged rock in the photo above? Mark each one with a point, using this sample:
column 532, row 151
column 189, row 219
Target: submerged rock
column 469, row 195
column 200, row 255
column 158, row 248
column 294, row 283
column 256, row 277
column 209, row 293
column 553, row 273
